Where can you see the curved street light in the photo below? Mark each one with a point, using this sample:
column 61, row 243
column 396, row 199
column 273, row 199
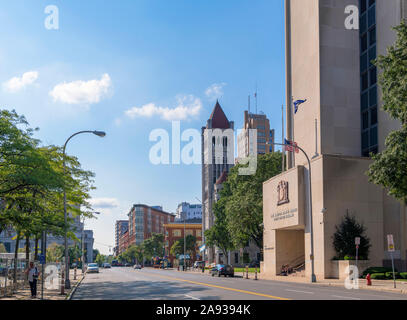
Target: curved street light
column 99, row 134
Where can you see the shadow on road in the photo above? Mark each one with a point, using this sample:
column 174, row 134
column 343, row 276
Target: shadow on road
column 138, row 290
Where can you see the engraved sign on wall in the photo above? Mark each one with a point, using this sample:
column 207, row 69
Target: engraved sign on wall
column 282, row 191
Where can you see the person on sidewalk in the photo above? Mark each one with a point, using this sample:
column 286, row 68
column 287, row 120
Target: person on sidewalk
column 33, row 274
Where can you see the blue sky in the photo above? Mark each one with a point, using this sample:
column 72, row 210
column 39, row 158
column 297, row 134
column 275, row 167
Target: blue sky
column 109, row 57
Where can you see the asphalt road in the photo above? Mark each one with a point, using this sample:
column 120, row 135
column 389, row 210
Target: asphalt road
column 150, row 284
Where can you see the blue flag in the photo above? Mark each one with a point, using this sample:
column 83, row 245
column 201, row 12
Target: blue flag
column 297, row 104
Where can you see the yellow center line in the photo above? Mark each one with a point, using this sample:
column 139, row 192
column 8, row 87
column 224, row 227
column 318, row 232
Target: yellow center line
column 220, row 287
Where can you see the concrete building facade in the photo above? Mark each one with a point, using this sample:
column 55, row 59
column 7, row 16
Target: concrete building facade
column 330, row 66
column 191, row 211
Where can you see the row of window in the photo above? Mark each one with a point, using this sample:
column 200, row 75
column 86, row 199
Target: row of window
column 368, row 77
column 178, row 233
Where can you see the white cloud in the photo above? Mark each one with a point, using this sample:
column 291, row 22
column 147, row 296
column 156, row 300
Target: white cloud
column 82, row 92
column 104, row 203
column 215, row 91
column 16, row 84
column 187, row 106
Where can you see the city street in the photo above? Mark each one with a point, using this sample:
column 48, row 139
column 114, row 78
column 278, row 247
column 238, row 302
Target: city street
column 150, row 284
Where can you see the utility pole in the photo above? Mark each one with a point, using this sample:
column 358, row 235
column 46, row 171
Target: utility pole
column 185, row 243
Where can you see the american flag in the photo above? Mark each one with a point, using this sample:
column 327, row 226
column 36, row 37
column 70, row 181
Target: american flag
column 291, row 146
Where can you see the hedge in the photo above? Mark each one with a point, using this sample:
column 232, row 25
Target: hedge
column 373, row 270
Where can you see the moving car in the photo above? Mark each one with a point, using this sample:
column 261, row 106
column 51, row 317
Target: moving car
column 92, row 268
column 223, row 270
column 137, row 267
column 107, row 265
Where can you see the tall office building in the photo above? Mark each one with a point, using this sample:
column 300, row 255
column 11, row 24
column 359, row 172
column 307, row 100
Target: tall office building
column 249, row 144
column 217, row 157
column 330, row 66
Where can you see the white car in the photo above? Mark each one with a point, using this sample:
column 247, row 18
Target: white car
column 92, row 268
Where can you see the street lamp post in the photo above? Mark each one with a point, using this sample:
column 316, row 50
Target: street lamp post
column 67, row 282
column 313, row 277
column 203, row 231
column 185, row 243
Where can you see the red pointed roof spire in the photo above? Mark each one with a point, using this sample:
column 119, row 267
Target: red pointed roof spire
column 218, row 117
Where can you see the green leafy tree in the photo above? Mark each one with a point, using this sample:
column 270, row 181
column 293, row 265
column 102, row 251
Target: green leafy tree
column 100, row 259
column 178, row 246
column 3, row 248
column 344, row 239
column 244, row 200
column 153, row 247
column 389, row 168
column 219, row 235
column 55, row 253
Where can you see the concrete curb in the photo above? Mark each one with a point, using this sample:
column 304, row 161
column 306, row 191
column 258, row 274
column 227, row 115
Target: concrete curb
column 391, row 290
column 69, row 297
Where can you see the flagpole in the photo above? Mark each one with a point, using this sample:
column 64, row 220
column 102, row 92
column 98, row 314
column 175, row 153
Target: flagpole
column 292, row 128
column 283, row 136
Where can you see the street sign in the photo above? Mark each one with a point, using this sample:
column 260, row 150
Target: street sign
column 390, row 242
column 357, row 241
column 42, row 259
column 202, row 248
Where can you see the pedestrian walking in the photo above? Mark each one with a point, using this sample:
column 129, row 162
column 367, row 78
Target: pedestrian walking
column 33, row 274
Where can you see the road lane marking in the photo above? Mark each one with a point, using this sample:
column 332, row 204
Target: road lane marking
column 342, row 297
column 191, row 297
column 299, row 291
column 220, row 287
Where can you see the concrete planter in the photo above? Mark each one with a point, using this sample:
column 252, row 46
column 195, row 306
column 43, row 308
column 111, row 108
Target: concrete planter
column 339, row 268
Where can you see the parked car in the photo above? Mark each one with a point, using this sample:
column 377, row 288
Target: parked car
column 107, row 265
column 127, row 264
column 223, row 270
column 92, row 268
column 137, row 267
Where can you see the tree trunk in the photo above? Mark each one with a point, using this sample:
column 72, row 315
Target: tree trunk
column 27, row 248
column 36, row 248
column 15, row 258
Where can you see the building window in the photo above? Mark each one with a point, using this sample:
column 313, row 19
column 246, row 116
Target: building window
column 368, row 77
column 176, row 233
column 199, row 233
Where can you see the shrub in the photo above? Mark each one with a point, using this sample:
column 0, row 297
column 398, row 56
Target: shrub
column 373, row 270
column 378, row 276
column 389, row 275
column 403, row 275
column 344, row 239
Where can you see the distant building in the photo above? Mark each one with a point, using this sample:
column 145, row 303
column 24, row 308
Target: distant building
column 121, row 227
column 7, row 237
column 123, row 242
column 145, row 220
column 189, row 211
column 175, row 232
column 249, row 144
column 217, row 157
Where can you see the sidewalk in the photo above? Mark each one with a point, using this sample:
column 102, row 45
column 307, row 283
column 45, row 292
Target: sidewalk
column 377, row 285
column 25, row 294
